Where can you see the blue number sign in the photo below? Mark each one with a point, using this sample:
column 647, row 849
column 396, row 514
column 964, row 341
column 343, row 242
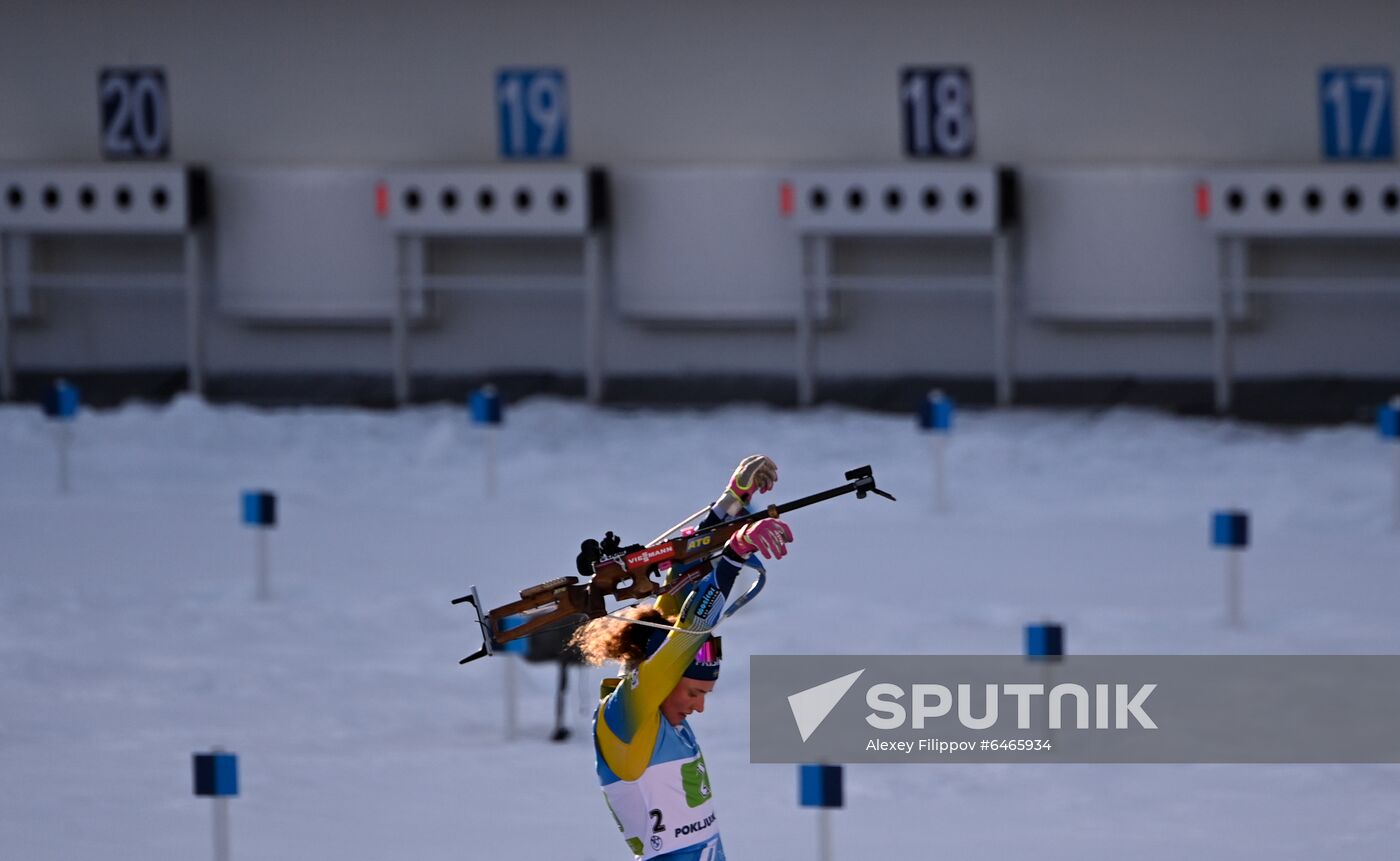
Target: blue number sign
column 134, row 104
column 936, row 102
column 1357, row 122
column 533, row 110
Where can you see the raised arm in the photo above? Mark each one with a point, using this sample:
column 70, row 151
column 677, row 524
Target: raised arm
column 756, row 473
column 630, row 714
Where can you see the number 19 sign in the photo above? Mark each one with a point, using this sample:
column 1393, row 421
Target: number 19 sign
column 1356, row 117
column 936, row 102
column 533, row 110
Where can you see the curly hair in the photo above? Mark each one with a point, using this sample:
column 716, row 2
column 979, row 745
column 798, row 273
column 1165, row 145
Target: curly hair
column 608, row 639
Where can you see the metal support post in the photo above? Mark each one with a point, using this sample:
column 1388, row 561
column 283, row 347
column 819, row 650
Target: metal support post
column 940, row 486
column 7, row 378
column 512, row 707
column 63, row 430
column 1234, row 588
column 264, row 589
column 824, row 834
column 400, row 321
column 1223, row 355
column 815, row 260
column 194, row 309
column 1396, row 445
column 1001, row 313
column 593, row 315
column 492, row 456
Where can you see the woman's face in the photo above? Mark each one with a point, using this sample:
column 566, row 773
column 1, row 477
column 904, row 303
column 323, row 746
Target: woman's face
column 687, row 697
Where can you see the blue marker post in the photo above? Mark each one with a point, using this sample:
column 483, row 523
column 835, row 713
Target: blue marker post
column 216, row 776
column 936, row 417
column 260, row 513
column 518, row 648
column 1230, row 530
column 820, row 786
column 485, row 405
column 1388, row 423
column 1045, row 642
column 1045, row 645
column 61, row 406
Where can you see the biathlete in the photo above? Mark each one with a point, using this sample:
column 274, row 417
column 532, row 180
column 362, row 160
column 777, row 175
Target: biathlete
column 649, row 763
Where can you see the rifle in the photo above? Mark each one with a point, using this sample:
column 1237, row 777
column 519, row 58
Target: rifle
column 622, row 572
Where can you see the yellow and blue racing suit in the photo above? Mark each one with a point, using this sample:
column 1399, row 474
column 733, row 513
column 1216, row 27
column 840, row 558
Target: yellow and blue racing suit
column 653, row 774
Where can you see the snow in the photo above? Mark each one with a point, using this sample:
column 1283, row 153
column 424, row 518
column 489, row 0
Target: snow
column 130, row 637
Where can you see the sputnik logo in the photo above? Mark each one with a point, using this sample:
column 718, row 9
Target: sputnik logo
column 810, row 707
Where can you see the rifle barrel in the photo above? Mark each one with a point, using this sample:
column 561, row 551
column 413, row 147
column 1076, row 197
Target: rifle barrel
column 786, row 507
column 862, row 482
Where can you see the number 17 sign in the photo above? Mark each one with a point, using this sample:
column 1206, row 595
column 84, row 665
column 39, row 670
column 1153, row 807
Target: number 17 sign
column 533, row 110
column 1355, row 102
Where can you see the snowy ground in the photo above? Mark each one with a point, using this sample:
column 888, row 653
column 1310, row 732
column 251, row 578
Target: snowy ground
column 130, row 638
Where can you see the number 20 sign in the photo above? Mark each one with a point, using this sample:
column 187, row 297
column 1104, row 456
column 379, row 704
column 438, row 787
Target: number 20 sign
column 134, row 108
column 533, row 110
column 936, row 102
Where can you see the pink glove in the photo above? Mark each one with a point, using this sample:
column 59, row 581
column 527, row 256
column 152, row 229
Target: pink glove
column 755, row 472
column 768, row 536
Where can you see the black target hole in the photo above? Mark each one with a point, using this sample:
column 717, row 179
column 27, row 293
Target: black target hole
column 486, row 200
column 894, row 199
column 448, row 199
column 855, row 199
column 818, row 198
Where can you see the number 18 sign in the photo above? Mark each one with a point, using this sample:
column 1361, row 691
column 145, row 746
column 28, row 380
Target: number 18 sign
column 533, row 110
column 936, row 102
column 1357, row 122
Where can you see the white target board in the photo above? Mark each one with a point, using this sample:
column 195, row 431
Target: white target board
column 952, row 200
column 535, row 201
column 127, row 198
column 1302, row 201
